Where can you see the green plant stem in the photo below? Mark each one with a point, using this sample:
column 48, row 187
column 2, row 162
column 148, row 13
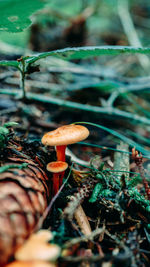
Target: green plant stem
column 23, row 84
column 22, row 77
column 48, row 209
column 88, row 51
column 118, row 135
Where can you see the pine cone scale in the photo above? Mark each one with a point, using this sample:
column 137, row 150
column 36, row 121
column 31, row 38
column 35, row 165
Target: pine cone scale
column 24, row 193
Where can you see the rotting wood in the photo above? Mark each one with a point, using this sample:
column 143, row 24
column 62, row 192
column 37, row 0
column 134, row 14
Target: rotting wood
column 82, row 221
column 121, row 160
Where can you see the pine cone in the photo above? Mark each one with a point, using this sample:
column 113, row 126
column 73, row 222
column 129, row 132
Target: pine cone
column 23, row 199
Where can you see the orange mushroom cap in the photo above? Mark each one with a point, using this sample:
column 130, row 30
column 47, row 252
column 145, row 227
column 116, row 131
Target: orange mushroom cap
column 65, row 135
column 57, row 166
column 35, row 263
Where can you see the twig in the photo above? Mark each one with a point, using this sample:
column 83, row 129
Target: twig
column 82, row 221
column 77, row 199
column 86, row 238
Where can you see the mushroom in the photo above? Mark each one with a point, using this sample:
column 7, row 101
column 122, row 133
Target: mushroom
column 56, row 167
column 63, row 136
column 36, row 263
column 37, row 248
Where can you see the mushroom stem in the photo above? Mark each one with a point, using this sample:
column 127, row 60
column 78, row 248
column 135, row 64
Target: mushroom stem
column 61, row 178
column 55, row 183
column 60, row 151
column 63, row 136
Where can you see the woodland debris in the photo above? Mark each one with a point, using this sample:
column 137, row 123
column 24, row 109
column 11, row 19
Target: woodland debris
column 84, row 238
column 77, row 199
column 82, row 220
